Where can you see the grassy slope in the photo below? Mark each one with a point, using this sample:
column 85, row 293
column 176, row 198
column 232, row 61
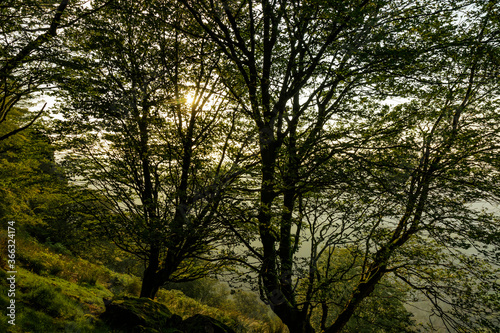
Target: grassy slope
column 59, row 293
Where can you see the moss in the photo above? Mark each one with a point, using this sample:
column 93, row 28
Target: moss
column 130, row 313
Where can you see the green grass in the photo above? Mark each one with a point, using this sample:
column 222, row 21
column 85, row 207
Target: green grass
column 57, row 292
column 52, row 304
column 228, row 313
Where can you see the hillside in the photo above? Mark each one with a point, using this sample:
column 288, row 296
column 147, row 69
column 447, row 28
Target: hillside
column 58, row 292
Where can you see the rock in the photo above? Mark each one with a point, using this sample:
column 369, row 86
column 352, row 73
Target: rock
column 204, row 324
column 142, row 329
column 131, row 314
column 143, row 315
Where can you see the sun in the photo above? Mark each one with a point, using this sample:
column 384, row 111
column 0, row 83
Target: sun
column 189, row 99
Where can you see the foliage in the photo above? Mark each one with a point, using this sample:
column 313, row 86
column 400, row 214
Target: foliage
column 37, row 195
column 230, row 314
column 273, row 135
column 207, row 291
column 341, row 167
column 28, row 48
column 55, row 304
column 28, row 172
column 60, row 302
column 238, row 303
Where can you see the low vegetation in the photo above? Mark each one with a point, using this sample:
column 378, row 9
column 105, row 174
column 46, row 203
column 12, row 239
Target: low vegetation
column 63, row 293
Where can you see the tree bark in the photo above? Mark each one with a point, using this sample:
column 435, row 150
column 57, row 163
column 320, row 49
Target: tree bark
column 150, row 281
column 294, row 319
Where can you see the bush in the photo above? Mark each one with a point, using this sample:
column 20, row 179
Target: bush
column 124, row 284
column 87, row 273
column 206, row 291
column 134, row 287
column 88, row 277
column 35, row 265
column 61, row 249
column 44, row 299
column 55, row 269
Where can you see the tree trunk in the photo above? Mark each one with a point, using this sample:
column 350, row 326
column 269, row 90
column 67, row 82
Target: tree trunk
column 150, row 281
column 294, row 319
column 324, row 315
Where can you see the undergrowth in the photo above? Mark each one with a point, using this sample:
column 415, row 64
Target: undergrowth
column 57, row 292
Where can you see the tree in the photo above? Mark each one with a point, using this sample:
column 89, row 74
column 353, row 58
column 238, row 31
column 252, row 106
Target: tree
column 301, row 72
column 420, row 185
column 27, row 170
column 153, row 132
column 29, row 49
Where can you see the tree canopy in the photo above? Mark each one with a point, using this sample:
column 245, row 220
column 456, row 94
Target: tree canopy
column 29, row 49
column 274, row 135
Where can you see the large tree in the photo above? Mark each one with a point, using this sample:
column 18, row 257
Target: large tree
column 302, row 72
column 153, row 131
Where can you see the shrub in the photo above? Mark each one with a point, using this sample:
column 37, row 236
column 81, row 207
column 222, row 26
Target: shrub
column 36, row 265
column 134, row 287
column 55, row 268
column 206, row 291
column 61, row 249
column 46, row 299
column 87, row 273
column 124, row 284
column 88, row 277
